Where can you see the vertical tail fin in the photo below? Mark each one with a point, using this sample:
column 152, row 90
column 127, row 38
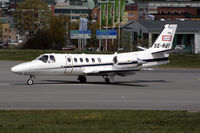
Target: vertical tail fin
column 165, row 39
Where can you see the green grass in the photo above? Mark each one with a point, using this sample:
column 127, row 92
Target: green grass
column 27, row 55
column 176, row 60
column 102, row 121
column 183, row 61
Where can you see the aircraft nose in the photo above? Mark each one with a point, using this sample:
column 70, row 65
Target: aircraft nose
column 16, row 69
column 21, row 68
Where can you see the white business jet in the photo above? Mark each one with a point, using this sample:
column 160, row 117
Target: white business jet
column 107, row 66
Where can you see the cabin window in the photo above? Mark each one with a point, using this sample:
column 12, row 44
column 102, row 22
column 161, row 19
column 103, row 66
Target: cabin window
column 81, row 59
column 93, row 60
column 75, row 60
column 44, row 58
column 99, row 60
column 68, row 59
column 86, row 59
column 52, row 58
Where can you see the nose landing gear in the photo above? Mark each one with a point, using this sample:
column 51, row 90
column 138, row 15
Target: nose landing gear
column 30, row 80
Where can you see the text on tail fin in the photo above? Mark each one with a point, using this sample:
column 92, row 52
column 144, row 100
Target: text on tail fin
column 165, row 39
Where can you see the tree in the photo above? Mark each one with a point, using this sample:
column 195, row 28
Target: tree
column 41, row 40
column 93, row 42
column 49, row 38
column 32, row 15
column 57, row 31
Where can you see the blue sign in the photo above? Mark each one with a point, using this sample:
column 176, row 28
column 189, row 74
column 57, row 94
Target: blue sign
column 83, row 24
column 106, row 34
column 78, row 34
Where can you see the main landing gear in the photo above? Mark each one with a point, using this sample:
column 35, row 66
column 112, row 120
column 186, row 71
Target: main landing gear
column 82, row 79
column 30, row 80
column 107, row 80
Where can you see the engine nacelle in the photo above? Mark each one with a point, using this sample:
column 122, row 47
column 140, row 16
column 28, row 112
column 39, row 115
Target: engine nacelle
column 125, row 62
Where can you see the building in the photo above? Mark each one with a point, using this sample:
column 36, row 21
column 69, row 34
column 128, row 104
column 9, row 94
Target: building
column 75, row 8
column 143, row 8
column 8, row 34
column 176, row 13
column 16, row 2
column 187, row 35
column 9, row 20
column 132, row 11
column 151, row 7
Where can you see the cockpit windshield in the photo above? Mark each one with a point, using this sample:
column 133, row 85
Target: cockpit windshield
column 43, row 58
column 52, row 58
column 47, row 58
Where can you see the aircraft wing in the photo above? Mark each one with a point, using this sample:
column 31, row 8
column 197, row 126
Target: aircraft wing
column 121, row 72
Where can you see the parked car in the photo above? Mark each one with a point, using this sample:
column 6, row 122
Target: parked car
column 69, row 48
column 3, row 44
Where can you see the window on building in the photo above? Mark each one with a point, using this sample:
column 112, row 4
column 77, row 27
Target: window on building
column 175, row 12
column 181, row 12
column 168, row 12
column 131, row 14
column 6, row 29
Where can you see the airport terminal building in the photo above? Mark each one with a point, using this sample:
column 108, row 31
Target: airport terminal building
column 187, row 35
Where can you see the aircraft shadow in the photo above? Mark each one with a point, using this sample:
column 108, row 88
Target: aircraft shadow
column 117, row 83
column 91, row 83
column 134, row 83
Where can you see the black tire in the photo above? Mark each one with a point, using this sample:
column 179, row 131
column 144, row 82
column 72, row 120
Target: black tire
column 82, row 79
column 107, row 80
column 30, row 82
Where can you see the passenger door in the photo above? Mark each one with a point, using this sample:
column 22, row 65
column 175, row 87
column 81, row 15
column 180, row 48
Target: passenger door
column 69, row 64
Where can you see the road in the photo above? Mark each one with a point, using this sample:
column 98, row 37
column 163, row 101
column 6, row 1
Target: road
column 159, row 89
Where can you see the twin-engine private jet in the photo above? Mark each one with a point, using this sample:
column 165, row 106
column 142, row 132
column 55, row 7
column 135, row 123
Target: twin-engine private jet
column 107, row 66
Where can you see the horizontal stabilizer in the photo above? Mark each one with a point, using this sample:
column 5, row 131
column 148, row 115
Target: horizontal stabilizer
column 141, row 48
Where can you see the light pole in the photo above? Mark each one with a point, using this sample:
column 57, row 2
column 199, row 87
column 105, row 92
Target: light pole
column 119, row 25
column 107, row 3
column 100, row 28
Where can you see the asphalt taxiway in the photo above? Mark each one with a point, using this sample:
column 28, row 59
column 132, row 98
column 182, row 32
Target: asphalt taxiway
column 159, row 89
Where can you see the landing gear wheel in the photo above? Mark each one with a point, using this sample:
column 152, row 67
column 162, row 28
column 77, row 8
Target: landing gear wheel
column 82, row 79
column 30, row 81
column 107, row 80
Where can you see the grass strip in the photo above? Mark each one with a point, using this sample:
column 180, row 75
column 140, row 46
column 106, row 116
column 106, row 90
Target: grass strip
column 27, row 55
column 183, row 61
column 99, row 121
